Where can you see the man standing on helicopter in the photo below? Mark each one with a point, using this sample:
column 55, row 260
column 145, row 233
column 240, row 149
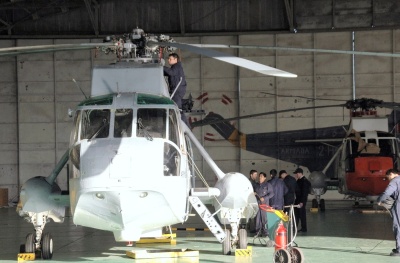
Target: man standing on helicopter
column 390, row 199
column 176, row 81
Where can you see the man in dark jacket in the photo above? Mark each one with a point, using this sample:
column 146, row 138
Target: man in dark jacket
column 176, row 81
column 291, row 184
column 253, row 179
column 392, row 192
column 301, row 199
column 280, row 189
column 264, row 192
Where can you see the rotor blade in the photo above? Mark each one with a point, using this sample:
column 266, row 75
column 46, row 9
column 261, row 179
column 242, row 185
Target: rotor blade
column 203, row 123
column 318, row 50
column 241, row 62
column 13, row 51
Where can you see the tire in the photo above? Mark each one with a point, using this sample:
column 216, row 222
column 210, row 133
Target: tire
column 322, row 205
column 270, row 243
column 22, row 248
column 30, row 243
column 282, row 256
column 226, row 244
column 296, row 255
column 242, row 239
column 47, row 246
column 314, row 203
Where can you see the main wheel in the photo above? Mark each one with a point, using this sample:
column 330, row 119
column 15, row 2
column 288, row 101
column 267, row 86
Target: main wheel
column 322, row 205
column 314, row 203
column 226, row 244
column 297, row 255
column 282, row 256
column 242, row 239
column 22, row 248
column 47, row 246
column 30, row 243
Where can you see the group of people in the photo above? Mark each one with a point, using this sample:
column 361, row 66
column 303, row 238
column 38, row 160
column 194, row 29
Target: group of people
column 278, row 192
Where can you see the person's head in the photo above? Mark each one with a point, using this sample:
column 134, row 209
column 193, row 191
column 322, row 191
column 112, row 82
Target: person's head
column 282, row 174
column 392, row 173
column 253, row 175
column 173, row 58
column 298, row 173
column 273, row 173
column 263, row 177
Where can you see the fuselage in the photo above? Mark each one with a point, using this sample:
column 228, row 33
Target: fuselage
column 130, row 168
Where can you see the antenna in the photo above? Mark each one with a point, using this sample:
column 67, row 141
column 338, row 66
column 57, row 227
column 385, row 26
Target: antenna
column 76, row 83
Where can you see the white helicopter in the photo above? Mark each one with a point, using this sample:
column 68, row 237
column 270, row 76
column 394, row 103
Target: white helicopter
column 132, row 155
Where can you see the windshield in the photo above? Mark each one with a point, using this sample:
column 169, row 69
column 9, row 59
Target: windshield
column 95, row 124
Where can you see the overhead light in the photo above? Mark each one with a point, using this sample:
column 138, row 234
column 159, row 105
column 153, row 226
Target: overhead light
column 143, row 194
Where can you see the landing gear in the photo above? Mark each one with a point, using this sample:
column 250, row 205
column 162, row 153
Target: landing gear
column 322, row 205
column 242, row 238
column 230, row 243
column 226, row 244
column 47, row 246
column 314, row 203
column 30, row 246
column 39, row 243
column 318, row 203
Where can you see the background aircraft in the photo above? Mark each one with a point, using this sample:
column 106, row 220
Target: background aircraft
column 330, row 153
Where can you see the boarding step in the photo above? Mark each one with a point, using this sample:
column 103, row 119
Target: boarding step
column 207, row 217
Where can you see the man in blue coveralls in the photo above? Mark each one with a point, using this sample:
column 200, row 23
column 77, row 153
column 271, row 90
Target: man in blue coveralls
column 392, row 192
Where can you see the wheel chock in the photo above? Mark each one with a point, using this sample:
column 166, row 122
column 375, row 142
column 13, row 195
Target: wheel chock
column 248, row 252
column 164, row 253
column 314, row 210
column 165, row 238
column 26, row 257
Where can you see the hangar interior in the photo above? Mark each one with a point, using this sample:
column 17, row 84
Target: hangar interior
column 37, row 90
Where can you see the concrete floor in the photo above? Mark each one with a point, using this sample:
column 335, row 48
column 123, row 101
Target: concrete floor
column 341, row 234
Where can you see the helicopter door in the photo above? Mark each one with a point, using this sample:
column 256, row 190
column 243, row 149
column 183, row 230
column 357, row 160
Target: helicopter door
column 172, row 155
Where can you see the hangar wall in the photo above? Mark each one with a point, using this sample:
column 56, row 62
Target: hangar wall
column 37, row 90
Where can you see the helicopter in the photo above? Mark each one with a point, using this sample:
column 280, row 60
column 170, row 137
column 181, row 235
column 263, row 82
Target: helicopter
column 132, row 155
column 353, row 159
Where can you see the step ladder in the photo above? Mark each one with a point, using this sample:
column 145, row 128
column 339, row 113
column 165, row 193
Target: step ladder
column 207, row 217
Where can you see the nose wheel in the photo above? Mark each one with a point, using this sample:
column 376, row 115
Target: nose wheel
column 46, row 245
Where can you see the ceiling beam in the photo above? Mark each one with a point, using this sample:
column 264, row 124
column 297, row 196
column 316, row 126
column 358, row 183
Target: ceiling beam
column 290, row 14
column 181, row 16
column 93, row 16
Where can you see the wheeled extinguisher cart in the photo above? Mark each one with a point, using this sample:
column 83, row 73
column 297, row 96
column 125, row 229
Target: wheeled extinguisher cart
column 282, row 232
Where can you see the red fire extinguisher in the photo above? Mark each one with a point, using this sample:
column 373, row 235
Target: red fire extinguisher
column 280, row 237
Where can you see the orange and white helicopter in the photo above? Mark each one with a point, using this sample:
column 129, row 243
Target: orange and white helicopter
column 130, row 153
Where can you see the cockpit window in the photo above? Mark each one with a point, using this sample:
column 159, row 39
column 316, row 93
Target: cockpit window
column 95, row 124
column 123, row 123
column 173, row 124
column 151, row 123
column 77, row 121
